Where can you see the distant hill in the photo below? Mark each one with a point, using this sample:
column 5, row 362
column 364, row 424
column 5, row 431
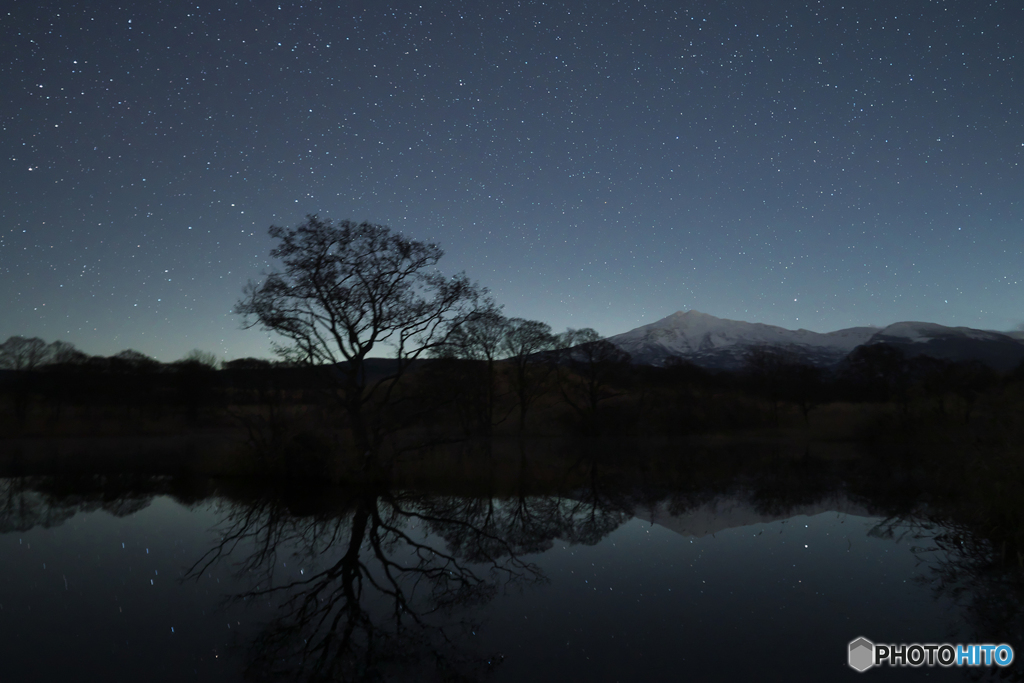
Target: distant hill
column 718, row 343
column 996, row 349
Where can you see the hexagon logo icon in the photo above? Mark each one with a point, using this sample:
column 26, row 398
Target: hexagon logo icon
column 862, row 654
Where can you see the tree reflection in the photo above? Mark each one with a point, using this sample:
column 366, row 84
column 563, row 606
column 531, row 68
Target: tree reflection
column 979, row 577
column 374, row 585
column 378, row 581
column 598, row 508
column 28, row 502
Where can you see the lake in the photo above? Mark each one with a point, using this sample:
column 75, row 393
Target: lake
column 743, row 567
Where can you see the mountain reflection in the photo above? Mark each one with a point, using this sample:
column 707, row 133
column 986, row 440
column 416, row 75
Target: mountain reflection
column 392, row 584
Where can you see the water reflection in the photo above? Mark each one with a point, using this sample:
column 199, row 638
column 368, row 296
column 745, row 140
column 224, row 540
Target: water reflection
column 968, row 570
column 28, row 502
column 395, row 584
column 369, row 582
column 370, row 587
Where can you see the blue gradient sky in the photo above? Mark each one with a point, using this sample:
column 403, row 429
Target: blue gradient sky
column 601, row 164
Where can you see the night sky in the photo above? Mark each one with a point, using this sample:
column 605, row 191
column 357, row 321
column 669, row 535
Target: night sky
column 601, row 164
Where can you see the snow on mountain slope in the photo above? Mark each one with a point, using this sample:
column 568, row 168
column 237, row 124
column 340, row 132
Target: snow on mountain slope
column 716, row 342
column 719, row 343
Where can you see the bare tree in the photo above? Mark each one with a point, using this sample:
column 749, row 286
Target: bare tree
column 766, row 366
column 64, row 353
column 590, row 366
column 479, row 341
column 347, row 290
column 879, row 371
column 198, row 357
column 523, row 342
column 22, row 353
column 134, row 362
column 194, row 380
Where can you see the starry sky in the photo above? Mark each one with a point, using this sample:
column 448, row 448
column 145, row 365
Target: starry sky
column 600, row 163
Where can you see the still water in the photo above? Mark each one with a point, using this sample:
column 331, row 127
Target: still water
column 167, row 580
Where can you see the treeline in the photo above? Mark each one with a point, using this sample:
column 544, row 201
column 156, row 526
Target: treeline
column 497, row 375
column 43, row 386
column 580, row 383
column 876, row 391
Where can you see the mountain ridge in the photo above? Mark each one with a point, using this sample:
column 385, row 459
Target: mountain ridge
column 720, row 343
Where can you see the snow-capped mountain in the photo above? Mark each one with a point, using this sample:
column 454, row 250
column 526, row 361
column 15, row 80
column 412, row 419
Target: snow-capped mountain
column 718, row 343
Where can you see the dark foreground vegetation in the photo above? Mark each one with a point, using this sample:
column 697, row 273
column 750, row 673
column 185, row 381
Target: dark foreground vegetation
column 262, row 418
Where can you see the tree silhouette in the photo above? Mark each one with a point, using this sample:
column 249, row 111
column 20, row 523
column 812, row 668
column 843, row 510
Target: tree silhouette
column 347, row 290
column 589, row 368
column 131, row 379
column 780, row 375
column 22, row 353
column 200, row 357
column 194, row 379
column 879, row 371
column 765, row 367
column 376, row 592
column 478, row 340
column 132, row 361
column 64, row 354
column 524, row 341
